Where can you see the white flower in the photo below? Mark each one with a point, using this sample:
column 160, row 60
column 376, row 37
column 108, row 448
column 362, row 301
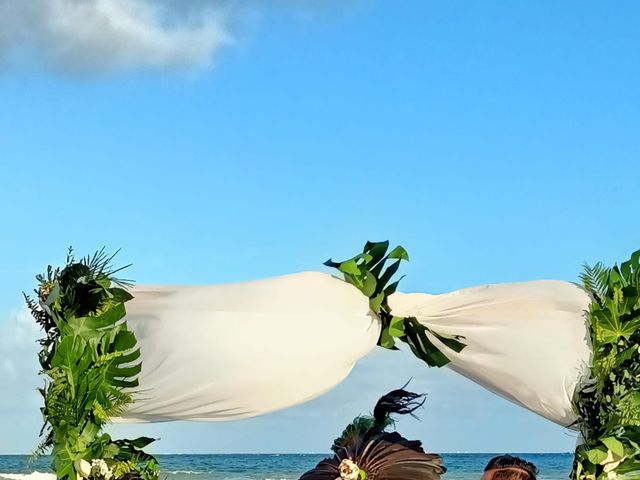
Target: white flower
column 609, row 458
column 100, row 470
column 349, row 470
column 611, row 466
column 611, row 463
column 83, row 468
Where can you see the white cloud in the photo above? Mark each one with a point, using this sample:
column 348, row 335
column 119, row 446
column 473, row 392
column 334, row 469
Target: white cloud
column 108, row 35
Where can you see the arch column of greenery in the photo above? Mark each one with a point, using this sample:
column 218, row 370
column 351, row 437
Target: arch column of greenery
column 608, row 404
column 91, row 363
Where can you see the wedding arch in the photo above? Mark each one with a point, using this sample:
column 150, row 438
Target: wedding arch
column 113, row 351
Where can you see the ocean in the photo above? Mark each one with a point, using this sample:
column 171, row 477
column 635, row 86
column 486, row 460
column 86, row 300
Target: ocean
column 461, row 466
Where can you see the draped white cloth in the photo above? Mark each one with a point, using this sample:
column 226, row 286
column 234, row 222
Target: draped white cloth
column 226, row 352
column 527, row 342
column 233, row 351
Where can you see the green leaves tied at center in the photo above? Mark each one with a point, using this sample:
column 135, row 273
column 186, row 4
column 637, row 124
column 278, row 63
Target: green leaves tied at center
column 372, row 272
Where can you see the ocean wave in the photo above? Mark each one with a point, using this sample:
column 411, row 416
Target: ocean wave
column 28, row 476
column 50, row 476
column 186, row 472
column 210, row 473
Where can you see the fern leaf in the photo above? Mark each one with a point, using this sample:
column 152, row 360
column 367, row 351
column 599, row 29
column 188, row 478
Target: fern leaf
column 596, row 279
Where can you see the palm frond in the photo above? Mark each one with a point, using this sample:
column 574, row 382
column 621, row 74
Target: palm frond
column 595, row 279
column 100, row 264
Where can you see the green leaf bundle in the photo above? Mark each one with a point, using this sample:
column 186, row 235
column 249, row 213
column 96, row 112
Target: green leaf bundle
column 372, row 272
column 91, row 363
column 608, row 405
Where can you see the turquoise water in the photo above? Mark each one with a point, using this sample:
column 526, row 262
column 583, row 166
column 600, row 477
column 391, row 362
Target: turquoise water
column 464, row 466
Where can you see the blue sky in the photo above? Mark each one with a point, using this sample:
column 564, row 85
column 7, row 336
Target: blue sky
column 497, row 141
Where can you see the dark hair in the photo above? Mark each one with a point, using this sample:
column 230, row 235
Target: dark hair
column 511, row 468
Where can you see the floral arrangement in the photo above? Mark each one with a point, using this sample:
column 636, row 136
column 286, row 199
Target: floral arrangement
column 91, row 362
column 608, row 405
column 350, row 471
column 368, row 273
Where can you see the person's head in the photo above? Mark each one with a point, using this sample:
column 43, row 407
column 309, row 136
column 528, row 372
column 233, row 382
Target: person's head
column 506, row 467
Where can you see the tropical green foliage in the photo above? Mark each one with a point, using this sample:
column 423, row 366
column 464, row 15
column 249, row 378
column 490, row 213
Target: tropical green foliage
column 608, row 405
column 369, row 272
column 91, row 363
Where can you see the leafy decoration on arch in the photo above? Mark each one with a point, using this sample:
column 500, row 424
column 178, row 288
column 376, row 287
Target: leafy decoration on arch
column 91, row 363
column 608, row 404
column 369, row 272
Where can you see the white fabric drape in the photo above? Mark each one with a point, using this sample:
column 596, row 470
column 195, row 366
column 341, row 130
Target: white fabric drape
column 226, row 352
column 527, row 342
column 233, row 351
